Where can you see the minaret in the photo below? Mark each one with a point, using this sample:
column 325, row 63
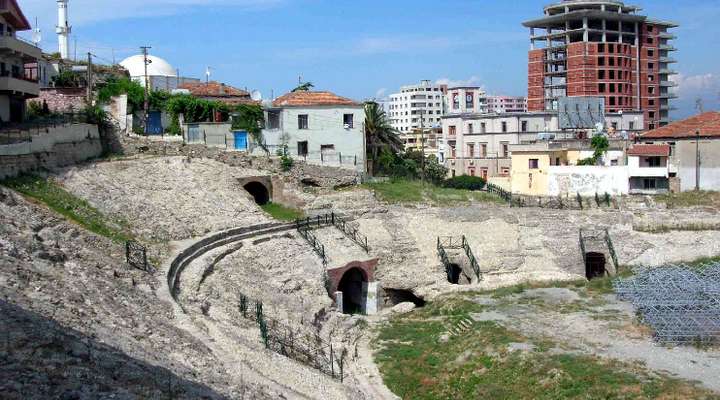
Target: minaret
column 63, row 29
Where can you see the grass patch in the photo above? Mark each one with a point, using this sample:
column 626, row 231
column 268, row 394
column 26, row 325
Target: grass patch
column 66, row 204
column 479, row 364
column 400, row 191
column 690, row 199
column 282, row 213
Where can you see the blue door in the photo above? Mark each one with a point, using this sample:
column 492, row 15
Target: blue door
column 193, row 135
column 154, row 123
column 241, row 140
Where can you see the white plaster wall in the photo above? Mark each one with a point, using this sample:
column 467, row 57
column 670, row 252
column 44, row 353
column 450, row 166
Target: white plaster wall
column 44, row 142
column 587, row 180
column 634, row 169
column 709, row 167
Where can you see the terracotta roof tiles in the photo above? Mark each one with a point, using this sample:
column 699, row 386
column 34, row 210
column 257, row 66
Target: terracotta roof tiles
column 647, row 150
column 708, row 124
column 305, row 99
column 213, row 89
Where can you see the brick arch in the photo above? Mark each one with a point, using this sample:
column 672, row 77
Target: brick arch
column 366, row 267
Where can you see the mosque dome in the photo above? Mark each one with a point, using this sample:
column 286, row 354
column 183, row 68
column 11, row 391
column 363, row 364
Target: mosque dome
column 156, row 67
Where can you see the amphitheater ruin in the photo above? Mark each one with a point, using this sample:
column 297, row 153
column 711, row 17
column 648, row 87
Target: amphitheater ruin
column 239, row 305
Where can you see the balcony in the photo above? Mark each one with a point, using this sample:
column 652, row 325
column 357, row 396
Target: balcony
column 668, row 84
column 14, row 45
column 17, row 84
column 667, row 35
column 668, row 60
column 666, row 71
column 667, row 47
column 668, row 96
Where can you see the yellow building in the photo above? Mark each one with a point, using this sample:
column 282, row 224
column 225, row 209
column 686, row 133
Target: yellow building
column 530, row 173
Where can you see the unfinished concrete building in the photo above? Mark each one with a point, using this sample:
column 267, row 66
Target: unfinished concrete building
column 602, row 48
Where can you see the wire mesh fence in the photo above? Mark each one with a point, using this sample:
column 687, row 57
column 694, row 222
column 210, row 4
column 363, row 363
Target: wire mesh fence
column 680, row 303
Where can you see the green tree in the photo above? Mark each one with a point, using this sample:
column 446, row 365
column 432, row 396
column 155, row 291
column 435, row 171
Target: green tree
column 600, row 144
column 380, row 136
column 304, row 87
column 119, row 86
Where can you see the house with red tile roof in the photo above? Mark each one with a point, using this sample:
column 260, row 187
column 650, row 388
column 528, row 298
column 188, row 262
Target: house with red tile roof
column 694, row 151
column 217, row 91
column 318, row 127
column 648, row 168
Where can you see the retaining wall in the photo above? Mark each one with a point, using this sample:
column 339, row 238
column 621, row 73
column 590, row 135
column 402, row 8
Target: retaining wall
column 57, row 147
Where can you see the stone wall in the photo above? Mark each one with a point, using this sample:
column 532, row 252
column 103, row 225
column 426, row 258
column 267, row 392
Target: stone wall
column 305, row 174
column 62, row 99
column 61, row 146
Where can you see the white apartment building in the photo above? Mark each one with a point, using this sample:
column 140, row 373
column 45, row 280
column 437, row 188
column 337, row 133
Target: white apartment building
column 469, row 99
column 506, row 104
column 417, row 106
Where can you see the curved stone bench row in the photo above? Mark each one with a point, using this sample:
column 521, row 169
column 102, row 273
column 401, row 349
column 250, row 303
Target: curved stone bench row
column 213, row 242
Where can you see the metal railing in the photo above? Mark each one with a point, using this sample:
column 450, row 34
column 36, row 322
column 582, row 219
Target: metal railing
column 338, row 222
column 611, row 248
column 457, row 243
column 319, row 248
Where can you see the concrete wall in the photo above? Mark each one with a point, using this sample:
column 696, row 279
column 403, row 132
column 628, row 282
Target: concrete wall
column 59, row 147
column 213, row 134
column 685, row 156
column 587, row 180
column 325, row 127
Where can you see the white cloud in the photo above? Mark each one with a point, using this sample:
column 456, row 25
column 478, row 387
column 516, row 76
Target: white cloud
column 696, row 84
column 380, row 93
column 90, row 11
column 472, row 81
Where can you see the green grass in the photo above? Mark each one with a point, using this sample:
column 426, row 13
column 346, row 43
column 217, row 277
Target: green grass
column 690, row 199
column 415, row 364
column 400, row 191
column 282, row 213
column 66, row 204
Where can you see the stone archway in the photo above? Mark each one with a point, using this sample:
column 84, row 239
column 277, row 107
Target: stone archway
column 353, row 286
column 259, row 192
column 595, row 264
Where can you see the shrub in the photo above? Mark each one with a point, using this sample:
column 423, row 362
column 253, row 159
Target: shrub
column 465, row 182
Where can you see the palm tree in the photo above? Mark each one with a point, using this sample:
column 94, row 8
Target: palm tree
column 379, row 134
column 304, row 87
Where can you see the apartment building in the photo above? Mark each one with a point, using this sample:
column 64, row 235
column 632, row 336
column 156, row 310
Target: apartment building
column 480, row 144
column 469, row 99
column 602, row 48
column 416, row 106
column 16, row 85
column 506, row 104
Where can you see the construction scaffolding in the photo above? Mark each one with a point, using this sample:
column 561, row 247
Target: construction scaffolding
column 680, row 303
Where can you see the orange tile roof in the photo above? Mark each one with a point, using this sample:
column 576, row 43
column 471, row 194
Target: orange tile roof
column 662, row 150
column 300, row 99
column 708, row 124
column 213, row 89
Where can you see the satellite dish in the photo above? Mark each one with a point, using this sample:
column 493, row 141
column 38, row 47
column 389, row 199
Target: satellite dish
column 256, row 95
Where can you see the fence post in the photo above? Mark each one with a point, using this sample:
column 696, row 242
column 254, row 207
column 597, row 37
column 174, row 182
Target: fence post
column 340, row 158
column 332, row 361
column 356, row 160
column 332, row 216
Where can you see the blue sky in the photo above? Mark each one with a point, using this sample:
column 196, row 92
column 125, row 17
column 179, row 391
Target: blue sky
column 360, row 49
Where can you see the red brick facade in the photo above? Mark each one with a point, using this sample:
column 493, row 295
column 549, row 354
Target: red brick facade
column 536, row 77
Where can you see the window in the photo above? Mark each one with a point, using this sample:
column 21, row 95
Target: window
column 348, row 121
column 482, row 127
column 469, row 100
column 456, row 101
column 452, row 130
column 470, row 150
column 524, row 126
column 470, row 128
column 601, row 74
column 534, row 163
column 504, row 126
column 649, row 184
column 612, row 74
column 601, row 88
column 651, row 102
column 651, row 90
column 653, row 162
column 327, row 149
column 302, row 148
column 484, row 173
column 651, row 53
column 483, row 150
column 601, row 61
column 649, row 40
column 303, row 121
column 505, row 171
column 651, row 65
column 631, row 125
column 614, row 125
column 505, row 146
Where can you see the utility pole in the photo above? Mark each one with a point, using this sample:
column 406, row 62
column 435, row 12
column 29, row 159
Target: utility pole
column 697, row 161
column 422, row 147
column 147, row 87
column 89, row 78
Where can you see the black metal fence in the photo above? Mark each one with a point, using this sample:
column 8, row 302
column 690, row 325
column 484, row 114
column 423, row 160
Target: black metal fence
column 332, row 219
column 457, row 243
column 306, row 348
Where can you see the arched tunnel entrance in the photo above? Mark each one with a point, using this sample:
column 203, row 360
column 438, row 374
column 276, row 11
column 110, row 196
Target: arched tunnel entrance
column 353, row 293
column 259, row 192
column 595, row 265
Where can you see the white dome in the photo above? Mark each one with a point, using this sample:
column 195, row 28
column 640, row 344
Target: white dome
column 157, row 66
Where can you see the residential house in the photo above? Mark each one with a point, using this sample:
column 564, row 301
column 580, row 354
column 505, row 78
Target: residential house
column 318, row 127
column 648, row 168
column 15, row 85
column 694, row 155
